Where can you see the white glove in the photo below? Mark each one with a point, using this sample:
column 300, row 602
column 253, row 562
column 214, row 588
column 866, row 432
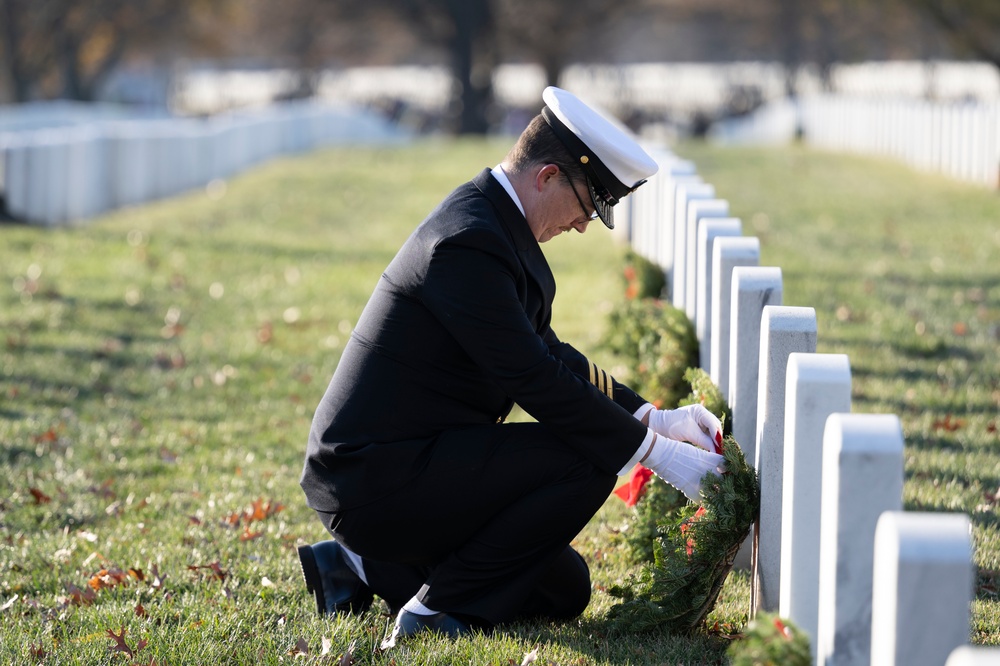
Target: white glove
column 690, row 423
column 682, row 465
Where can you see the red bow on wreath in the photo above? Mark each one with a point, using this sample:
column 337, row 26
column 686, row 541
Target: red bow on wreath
column 636, row 486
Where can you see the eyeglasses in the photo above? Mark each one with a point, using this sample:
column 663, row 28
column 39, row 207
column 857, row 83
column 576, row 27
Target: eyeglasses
column 589, row 216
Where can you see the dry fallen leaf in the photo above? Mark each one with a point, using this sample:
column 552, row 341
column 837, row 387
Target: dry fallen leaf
column 40, row 497
column 120, row 644
column 215, row 569
column 78, row 597
column 157, row 582
column 347, row 659
column 301, row 648
column 948, row 423
column 37, row 651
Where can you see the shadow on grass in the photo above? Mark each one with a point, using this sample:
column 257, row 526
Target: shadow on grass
column 988, row 584
column 598, row 638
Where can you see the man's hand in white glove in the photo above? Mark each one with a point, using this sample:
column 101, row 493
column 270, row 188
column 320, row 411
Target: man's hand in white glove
column 682, row 465
column 690, row 423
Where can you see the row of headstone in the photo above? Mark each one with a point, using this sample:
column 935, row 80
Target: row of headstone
column 958, row 139
column 58, row 175
column 832, row 550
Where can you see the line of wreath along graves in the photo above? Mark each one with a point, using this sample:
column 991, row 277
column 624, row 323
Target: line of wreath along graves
column 832, row 552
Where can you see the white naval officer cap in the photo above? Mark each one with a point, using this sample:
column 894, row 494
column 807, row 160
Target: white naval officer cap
column 614, row 163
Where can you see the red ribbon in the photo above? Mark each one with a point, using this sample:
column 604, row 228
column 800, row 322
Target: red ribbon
column 631, row 491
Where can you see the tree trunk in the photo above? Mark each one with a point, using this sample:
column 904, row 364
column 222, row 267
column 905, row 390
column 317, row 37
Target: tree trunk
column 790, row 28
column 69, row 62
column 16, row 71
column 473, row 58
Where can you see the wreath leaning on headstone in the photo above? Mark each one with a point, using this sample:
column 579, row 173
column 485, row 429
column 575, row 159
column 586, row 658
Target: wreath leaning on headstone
column 692, row 556
column 661, row 503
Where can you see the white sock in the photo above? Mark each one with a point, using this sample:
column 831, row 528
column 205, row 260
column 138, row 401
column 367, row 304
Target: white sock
column 417, row 608
column 355, row 563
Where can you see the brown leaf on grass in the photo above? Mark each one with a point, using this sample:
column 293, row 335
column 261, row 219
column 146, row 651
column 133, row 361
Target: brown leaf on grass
column 301, row 648
column 170, row 361
column 247, row 535
column 157, row 582
column 346, row 659
column 140, row 611
column 48, row 436
column 37, row 651
column 258, row 511
column 233, row 519
column 104, row 490
column 215, row 570
column 265, row 333
column 171, row 331
column 948, row 423
column 78, row 597
column 120, row 644
column 40, row 497
column 108, row 578
column 261, row 510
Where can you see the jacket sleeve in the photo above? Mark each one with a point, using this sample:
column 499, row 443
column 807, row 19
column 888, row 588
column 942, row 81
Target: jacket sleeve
column 629, row 400
column 471, row 287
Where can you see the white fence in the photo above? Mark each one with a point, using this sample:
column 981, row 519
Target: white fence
column 75, row 170
column 960, row 139
column 869, row 583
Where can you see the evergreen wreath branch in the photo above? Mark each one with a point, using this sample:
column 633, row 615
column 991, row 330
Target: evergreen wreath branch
column 692, row 557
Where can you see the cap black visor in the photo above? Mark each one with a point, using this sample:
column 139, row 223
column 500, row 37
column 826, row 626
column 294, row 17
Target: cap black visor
column 605, row 209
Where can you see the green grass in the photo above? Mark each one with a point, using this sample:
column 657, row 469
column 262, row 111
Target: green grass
column 159, row 367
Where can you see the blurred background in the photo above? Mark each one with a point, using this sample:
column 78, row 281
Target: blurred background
column 478, row 66
column 110, row 103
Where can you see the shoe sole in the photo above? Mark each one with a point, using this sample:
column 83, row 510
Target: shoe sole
column 310, row 573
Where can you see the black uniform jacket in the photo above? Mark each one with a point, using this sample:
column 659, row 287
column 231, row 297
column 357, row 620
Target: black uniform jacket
column 457, row 331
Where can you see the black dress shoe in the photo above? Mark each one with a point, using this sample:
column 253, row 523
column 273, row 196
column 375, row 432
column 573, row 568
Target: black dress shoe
column 409, row 624
column 331, row 581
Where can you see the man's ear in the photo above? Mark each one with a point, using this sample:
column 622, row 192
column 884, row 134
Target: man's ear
column 546, row 174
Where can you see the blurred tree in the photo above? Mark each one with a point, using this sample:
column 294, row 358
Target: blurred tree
column 67, row 48
column 557, row 33
column 466, row 30
column 24, row 65
column 973, row 26
column 310, row 34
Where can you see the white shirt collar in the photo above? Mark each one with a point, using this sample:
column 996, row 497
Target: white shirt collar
column 502, row 178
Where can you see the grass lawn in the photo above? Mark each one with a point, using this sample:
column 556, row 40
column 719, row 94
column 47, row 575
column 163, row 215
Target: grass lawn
column 159, row 367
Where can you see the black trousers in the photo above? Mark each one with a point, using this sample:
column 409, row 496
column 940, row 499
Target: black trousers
column 484, row 531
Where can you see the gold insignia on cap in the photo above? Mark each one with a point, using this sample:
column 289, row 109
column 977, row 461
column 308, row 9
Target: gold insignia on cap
column 584, row 159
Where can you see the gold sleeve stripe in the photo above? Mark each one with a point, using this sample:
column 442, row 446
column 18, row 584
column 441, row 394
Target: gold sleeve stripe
column 609, row 385
column 602, row 380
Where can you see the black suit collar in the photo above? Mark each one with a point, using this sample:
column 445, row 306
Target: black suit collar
column 510, row 214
